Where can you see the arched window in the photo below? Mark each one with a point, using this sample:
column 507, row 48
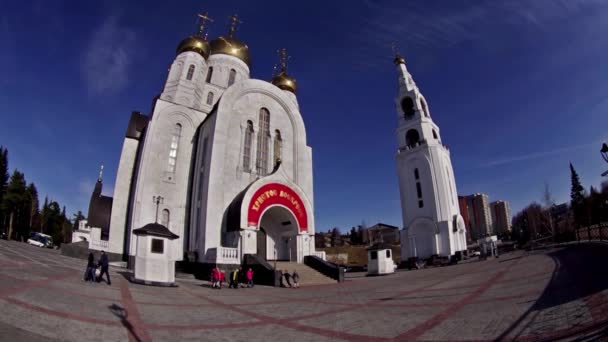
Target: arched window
column 210, row 98
column 231, row 77
column 435, row 135
column 412, row 138
column 164, row 220
column 209, row 74
column 263, row 139
column 190, row 72
column 407, row 105
column 247, row 147
column 424, row 107
column 278, row 141
column 177, row 132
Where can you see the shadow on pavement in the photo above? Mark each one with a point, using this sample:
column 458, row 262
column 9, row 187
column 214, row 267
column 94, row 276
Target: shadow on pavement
column 122, row 313
column 578, row 274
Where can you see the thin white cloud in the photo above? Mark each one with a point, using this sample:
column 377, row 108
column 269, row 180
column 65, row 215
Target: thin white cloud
column 536, row 155
column 107, row 57
column 443, row 24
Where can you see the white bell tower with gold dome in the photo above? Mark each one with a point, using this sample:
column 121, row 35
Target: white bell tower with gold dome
column 429, row 204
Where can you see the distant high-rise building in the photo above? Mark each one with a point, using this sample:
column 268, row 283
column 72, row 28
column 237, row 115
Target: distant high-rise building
column 478, row 211
column 501, row 217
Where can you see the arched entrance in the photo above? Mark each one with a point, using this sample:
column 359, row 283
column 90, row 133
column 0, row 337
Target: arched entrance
column 277, row 234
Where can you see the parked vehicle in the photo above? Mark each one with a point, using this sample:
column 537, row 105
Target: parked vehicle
column 3, row 236
column 40, row 240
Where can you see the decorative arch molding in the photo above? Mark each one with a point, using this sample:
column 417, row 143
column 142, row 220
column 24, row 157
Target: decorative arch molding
column 177, row 115
column 423, row 221
column 232, row 94
column 288, row 195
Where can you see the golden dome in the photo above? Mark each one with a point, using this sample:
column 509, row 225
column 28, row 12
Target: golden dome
column 194, row 43
column 285, row 82
column 230, row 46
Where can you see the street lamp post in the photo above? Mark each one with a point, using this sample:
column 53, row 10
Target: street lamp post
column 604, row 152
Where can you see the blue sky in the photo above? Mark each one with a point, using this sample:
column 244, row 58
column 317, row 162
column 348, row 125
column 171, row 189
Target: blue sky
column 518, row 88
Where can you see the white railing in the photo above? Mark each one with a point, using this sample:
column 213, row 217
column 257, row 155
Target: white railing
column 226, row 255
column 320, row 254
column 99, row 244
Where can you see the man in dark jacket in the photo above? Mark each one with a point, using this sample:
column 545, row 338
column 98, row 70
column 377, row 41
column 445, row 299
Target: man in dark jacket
column 103, row 262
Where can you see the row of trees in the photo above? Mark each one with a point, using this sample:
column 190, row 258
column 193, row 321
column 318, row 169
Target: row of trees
column 559, row 222
column 20, row 212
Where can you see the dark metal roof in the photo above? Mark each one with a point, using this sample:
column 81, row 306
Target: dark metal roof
column 382, row 226
column 378, row 246
column 100, row 209
column 155, row 229
column 137, row 124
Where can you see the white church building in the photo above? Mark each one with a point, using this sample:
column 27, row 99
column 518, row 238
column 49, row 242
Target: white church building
column 429, row 201
column 222, row 161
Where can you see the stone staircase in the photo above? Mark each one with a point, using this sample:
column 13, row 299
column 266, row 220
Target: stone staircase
column 308, row 275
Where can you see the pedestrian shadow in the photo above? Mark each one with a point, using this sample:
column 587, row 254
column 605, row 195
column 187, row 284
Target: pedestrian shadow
column 122, row 313
column 576, row 276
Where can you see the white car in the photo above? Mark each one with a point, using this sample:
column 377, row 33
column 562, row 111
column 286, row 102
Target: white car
column 40, row 240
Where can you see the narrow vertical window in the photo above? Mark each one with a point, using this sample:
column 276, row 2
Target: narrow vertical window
column 210, row 98
column 278, row 141
column 231, row 77
column 435, row 135
column 177, row 132
column 263, row 139
column 190, row 72
column 247, row 147
column 164, row 220
column 418, row 188
column 209, row 74
column 447, row 172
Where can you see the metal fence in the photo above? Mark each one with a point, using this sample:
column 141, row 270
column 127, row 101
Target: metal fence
column 595, row 232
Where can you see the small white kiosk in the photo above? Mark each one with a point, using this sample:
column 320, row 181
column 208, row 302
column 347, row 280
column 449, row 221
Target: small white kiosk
column 380, row 259
column 154, row 264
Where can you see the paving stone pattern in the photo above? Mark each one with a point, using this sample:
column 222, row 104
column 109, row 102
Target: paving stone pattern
column 555, row 294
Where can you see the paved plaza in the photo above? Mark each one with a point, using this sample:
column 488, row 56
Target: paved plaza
column 560, row 293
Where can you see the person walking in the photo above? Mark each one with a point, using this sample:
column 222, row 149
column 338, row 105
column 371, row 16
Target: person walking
column 234, row 279
column 250, row 278
column 89, row 274
column 296, row 279
column 287, row 276
column 104, row 264
column 215, row 277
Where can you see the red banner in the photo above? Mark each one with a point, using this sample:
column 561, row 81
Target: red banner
column 273, row 194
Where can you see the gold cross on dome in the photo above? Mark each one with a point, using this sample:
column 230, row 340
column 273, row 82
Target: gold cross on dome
column 283, row 57
column 203, row 18
column 234, row 21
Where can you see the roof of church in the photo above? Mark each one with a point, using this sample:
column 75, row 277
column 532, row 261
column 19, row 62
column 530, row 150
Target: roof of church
column 137, row 124
column 100, row 209
column 155, row 229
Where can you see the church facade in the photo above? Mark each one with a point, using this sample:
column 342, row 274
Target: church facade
column 222, row 161
column 429, row 203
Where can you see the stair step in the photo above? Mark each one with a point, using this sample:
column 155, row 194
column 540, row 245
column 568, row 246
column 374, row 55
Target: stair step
column 308, row 275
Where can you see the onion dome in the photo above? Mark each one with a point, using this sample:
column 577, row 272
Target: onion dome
column 196, row 44
column 285, row 82
column 230, row 46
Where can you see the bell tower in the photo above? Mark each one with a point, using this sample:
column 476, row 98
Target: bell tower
column 429, row 204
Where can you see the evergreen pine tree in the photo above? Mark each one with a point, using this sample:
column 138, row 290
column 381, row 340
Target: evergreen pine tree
column 3, row 182
column 34, row 207
column 577, row 199
column 15, row 205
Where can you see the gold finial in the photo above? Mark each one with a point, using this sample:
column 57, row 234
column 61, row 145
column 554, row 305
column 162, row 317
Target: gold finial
column 234, row 21
column 203, row 18
column 283, row 57
column 398, row 58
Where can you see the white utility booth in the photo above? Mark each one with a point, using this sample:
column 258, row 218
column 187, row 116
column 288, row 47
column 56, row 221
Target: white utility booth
column 154, row 260
column 380, row 259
